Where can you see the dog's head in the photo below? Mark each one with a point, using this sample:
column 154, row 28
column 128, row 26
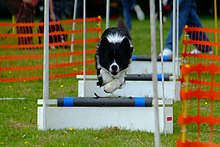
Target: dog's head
column 114, row 52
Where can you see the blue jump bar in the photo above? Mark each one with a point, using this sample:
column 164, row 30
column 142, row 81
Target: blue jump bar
column 104, row 102
column 148, row 58
column 146, row 77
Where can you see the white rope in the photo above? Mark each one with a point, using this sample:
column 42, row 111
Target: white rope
column 10, row 98
column 154, row 68
column 46, row 64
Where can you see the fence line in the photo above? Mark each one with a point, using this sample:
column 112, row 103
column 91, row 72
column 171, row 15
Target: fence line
column 21, row 54
column 200, row 93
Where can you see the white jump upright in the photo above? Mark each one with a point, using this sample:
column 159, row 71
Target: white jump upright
column 52, row 116
column 45, row 66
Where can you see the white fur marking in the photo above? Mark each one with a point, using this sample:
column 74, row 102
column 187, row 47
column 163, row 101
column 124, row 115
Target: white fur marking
column 112, row 83
column 114, row 63
column 115, row 38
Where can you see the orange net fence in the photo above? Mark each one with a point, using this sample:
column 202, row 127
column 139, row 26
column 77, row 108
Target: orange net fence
column 21, row 53
column 200, row 90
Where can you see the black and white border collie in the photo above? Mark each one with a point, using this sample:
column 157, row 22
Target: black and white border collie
column 113, row 57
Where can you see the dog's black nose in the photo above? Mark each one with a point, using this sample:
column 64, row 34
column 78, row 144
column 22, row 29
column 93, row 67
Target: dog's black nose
column 114, row 67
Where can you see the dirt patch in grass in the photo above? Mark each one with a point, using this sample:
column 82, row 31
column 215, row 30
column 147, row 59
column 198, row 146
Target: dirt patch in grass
column 20, row 125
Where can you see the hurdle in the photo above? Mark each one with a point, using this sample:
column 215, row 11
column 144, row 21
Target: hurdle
column 105, row 102
column 148, row 58
column 104, row 112
column 147, row 77
column 135, row 85
column 136, row 77
column 143, row 65
column 102, row 102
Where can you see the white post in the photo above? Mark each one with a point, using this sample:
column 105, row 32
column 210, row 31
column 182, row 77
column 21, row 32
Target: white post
column 84, row 43
column 177, row 41
column 107, row 13
column 73, row 29
column 162, row 72
column 174, row 45
column 46, row 63
column 154, row 62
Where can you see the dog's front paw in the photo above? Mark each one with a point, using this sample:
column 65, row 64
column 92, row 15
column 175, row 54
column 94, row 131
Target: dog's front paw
column 112, row 86
column 109, row 88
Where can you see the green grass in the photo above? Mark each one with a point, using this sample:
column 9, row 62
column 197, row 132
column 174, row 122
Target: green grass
column 18, row 118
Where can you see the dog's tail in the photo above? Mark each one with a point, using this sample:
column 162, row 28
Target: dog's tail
column 121, row 24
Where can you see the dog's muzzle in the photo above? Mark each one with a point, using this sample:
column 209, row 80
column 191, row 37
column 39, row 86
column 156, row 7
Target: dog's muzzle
column 114, row 69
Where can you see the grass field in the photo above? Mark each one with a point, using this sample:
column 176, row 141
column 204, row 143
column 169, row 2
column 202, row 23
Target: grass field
column 18, row 118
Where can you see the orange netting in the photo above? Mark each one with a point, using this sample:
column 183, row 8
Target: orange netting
column 200, row 91
column 21, row 53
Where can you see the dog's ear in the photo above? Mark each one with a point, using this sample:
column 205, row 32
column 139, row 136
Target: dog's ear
column 104, row 43
column 126, row 46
